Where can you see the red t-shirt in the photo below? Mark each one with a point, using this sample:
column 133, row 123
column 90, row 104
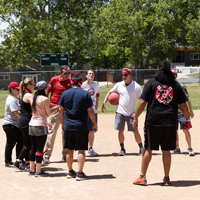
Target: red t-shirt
column 58, row 86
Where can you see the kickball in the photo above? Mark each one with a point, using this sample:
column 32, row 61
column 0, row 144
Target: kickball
column 113, row 98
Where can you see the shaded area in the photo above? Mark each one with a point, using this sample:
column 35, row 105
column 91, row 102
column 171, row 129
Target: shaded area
column 180, row 183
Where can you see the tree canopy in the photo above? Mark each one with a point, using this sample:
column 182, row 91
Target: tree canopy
column 105, row 34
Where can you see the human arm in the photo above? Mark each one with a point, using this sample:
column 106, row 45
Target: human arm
column 91, row 114
column 141, row 105
column 186, row 114
column 45, row 102
column 97, row 103
column 16, row 112
column 104, row 103
column 190, row 107
column 61, row 113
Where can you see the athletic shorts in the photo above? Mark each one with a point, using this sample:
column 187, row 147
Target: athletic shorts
column 90, row 124
column 120, row 122
column 76, row 140
column 164, row 136
column 182, row 121
column 38, row 130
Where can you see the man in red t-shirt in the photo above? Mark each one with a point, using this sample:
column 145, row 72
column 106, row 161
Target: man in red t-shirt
column 58, row 85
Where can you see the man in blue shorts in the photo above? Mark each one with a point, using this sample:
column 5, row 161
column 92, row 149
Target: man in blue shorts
column 75, row 106
column 182, row 121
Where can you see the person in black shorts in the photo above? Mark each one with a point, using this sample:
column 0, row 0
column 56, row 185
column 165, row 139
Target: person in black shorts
column 75, row 105
column 163, row 94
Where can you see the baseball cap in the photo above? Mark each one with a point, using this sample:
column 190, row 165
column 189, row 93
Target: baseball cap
column 41, row 85
column 174, row 71
column 13, row 85
column 76, row 78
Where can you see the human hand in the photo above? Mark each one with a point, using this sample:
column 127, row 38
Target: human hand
column 135, row 124
column 133, row 115
column 188, row 125
column 191, row 114
column 95, row 128
column 103, row 107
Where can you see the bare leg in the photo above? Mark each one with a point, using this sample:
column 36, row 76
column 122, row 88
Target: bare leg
column 121, row 136
column 177, row 139
column 69, row 158
column 32, row 165
column 187, row 137
column 38, row 167
column 137, row 137
column 91, row 138
column 146, row 158
column 81, row 160
column 166, row 157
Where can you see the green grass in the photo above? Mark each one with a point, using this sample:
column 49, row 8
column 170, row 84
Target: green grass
column 194, row 75
column 193, row 90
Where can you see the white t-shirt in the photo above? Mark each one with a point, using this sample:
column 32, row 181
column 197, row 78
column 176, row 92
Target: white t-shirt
column 93, row 89
column 12, row 104
column 128, row 97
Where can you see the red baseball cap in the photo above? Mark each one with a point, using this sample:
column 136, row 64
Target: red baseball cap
column 13, row 85
column 125, row 71
column 76, row 78
column 174, row 71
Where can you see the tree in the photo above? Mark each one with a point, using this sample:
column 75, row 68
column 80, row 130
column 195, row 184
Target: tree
column 46, row 26
column 142, row 32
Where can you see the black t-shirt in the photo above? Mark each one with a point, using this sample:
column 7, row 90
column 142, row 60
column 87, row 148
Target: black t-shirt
column 163, row 102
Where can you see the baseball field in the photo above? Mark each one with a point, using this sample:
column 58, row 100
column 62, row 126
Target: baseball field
column 110, row 176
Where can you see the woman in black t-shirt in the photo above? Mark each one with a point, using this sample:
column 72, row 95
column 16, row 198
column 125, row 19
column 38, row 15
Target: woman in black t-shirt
column 163, row 95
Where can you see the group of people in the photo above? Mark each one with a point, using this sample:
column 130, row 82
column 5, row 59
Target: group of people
column 74, row 105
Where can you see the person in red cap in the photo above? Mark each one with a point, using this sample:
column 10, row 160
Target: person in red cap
column 58, row 85
column 182, row 121
column 13, row 133
column 75, row 106
column 129, row 91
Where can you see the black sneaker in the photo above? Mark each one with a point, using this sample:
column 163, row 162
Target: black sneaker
column 19, row 165
column 31, row 173
column 9, row 164
column 80, row 176
column 41, row 174
column 122, row 152
column 71, row 174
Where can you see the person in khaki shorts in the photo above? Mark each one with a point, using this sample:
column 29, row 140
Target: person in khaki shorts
column 58, row 84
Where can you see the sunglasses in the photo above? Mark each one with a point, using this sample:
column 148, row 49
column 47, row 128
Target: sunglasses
column 16, row 89
column 67, row 73
column 125, row 75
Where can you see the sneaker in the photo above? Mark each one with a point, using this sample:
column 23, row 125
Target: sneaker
column 122, row 152
column 9, row 164
column 80, row 176
column 191, row 152
column 166, row 181
column 19, row 165
column 141, row 152
column 175, row 151
column 46, row 160
column 140, row 181
column 91, row 152
column 71, row 174
column 41, row 174
column 31, row 173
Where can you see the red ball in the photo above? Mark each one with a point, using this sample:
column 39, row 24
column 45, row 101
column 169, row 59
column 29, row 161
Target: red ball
column 113, row 98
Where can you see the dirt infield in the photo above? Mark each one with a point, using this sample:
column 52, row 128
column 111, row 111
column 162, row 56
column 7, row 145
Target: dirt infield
column 110, row 176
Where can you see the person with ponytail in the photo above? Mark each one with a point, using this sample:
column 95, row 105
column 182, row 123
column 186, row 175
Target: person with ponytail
column 26, row 88
column 163, row 94
column 13, row 133
column 38, row 127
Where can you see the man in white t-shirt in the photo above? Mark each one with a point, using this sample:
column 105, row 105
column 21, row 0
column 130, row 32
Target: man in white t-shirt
column 93, row 89
column 129, row 91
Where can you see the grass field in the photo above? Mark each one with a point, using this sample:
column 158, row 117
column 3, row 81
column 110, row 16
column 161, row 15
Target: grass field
column 193, row 90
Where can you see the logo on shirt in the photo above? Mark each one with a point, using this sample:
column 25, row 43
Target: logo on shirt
column 91, row 91
column 164, row 94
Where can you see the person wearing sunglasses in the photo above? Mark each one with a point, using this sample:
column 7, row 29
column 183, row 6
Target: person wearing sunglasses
column 58, row 85
column 13, row 133
column 128, row 91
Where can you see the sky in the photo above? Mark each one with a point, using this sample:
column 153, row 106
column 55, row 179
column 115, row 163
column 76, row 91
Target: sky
column 2, row 26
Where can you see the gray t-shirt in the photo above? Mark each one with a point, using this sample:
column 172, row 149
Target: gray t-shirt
column 12, row 104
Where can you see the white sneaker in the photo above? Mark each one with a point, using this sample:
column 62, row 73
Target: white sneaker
column 91, row 152
column 191, row 152
column 46, row 160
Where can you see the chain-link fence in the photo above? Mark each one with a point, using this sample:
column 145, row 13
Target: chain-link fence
column 102, row 77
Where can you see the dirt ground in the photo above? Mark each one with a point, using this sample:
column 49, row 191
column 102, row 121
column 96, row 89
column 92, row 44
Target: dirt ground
column 110, row 176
